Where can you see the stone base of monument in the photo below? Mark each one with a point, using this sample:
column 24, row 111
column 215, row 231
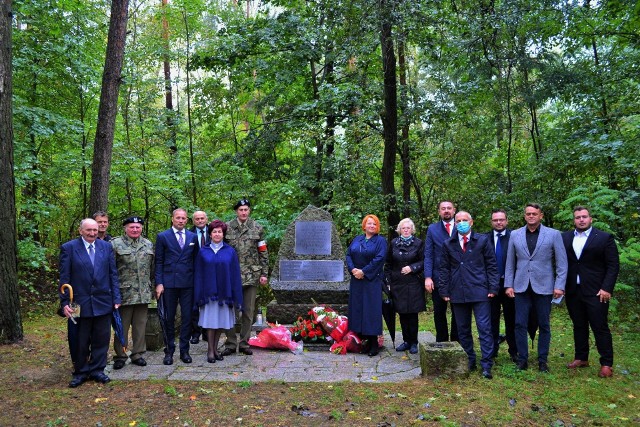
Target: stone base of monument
column 443, row 359
column 286, row 314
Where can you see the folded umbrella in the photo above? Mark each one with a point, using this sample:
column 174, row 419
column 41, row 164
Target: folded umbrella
column 72, row 328
column 162, row 318
column 116, row 323
column 389, row 312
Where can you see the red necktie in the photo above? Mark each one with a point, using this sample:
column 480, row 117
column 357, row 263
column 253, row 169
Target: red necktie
column 464, row 244
column 448, row 227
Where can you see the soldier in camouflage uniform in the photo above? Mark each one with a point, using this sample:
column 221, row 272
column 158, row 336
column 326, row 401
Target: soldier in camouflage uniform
column 247, row 237
column 134, row 259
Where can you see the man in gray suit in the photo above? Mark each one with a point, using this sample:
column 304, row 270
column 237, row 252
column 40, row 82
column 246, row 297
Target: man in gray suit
column 536, row 272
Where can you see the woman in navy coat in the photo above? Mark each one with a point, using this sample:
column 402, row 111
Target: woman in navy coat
column 365, row 259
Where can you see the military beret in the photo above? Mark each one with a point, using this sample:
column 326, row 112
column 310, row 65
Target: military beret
column 242, row 202
column 132, row 220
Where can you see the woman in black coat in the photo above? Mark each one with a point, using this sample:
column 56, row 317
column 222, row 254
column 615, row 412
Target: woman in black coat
column 403, row 271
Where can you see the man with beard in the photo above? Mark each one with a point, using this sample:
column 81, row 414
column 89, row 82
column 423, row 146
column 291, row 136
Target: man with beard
column 593, row 269
column 437, row 233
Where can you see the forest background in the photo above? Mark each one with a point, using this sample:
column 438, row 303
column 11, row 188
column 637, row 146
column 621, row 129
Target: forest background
column 353, row 106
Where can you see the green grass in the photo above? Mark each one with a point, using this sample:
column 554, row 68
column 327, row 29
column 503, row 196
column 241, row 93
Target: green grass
column 35, row 372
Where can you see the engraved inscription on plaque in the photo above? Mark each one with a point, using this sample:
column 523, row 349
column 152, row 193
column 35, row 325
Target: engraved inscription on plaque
column 311, row 270
column 313, row 238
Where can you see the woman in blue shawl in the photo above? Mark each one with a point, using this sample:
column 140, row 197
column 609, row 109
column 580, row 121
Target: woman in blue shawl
column 217, row 287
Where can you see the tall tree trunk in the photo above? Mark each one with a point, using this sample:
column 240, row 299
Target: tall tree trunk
column 111, row 77
column 389, row 120
column 10, row 318
column 171, row 125
column 405, row 154
column 194, row 193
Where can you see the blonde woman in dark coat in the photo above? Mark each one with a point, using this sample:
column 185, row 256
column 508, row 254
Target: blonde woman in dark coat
column 403, row 271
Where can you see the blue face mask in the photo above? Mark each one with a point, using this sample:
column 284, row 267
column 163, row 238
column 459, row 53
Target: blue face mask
column 463, row 227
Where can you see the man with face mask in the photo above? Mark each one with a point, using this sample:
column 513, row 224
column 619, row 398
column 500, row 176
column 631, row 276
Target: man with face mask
column 469, row 279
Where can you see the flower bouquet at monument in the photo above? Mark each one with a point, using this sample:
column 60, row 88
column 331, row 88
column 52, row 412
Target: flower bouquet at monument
column 350, row 342
column 308, row 330
column 331, row 322
column 276, row 337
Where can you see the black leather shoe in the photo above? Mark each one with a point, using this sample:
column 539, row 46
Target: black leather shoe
column 211, row 359
column 366, row 348
column 100, row 378
column 414, row 348
column 185, row 358
column 77, row 381
column 543, row 367
column 374, row 350
column 168, row 359
column 139, row 362
column 487, row 374
column 194, row 340
column 227, row 352
column 403, row 347
column 219, row 357
column 514, row 358
column 473, row 367
column 523, row 366
column 119, row 364
column 246, row 351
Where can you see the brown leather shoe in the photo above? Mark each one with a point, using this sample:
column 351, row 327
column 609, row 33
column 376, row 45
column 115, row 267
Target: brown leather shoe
column 578, row 364
column 605, row 372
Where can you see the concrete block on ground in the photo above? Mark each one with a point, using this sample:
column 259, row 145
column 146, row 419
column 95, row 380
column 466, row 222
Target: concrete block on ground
column 443, row 359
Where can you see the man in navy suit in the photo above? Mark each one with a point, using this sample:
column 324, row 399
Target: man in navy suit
column 468, row 278
column 536, row 272
column 593, row 270
column 200, row 221
column 437, row 233
column 176, row 251
column 89, row 266
column 499, row 236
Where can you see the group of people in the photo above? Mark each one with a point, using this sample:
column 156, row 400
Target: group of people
column 210, row 271
column 516, row 273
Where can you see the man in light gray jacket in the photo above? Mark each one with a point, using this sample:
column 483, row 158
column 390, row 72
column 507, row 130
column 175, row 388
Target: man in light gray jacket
column 536, row 272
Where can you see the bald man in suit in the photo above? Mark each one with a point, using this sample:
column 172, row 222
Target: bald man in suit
column 535, row 273
column 88, row 264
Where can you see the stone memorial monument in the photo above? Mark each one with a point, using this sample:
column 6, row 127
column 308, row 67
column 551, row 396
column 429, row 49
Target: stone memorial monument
column 310, row 267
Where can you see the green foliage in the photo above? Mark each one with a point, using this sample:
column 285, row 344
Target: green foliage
column 504, row 103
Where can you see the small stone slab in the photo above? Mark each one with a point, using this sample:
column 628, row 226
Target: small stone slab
column 443, row 359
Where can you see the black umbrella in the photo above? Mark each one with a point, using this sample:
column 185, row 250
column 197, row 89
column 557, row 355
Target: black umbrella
column 532, row 326
column 162, row 318
column 116, row 323
column 389, row 312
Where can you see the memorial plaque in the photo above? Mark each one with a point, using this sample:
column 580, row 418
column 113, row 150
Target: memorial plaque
column 311, row 270
column 313, row 238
